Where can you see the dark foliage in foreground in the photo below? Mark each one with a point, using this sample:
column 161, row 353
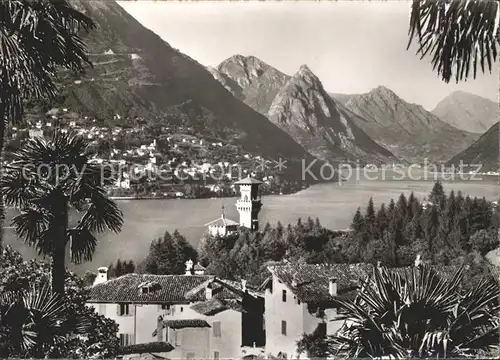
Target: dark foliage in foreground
column 36, row 323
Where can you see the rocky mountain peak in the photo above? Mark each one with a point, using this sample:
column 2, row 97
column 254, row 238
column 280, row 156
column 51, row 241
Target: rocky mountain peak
column 305, row 78
column 467, row 111
column 251, row 80
column 305, row 110
column 384, row 92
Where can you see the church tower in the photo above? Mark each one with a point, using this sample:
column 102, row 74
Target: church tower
column 249, row 203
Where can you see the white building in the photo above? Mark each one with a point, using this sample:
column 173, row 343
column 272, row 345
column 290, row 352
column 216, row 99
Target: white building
column 300, row 298
column 199, row 315
column 222, row 226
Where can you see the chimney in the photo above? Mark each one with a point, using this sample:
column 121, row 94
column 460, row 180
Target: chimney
column 294, row 280
column 208, row 291
column 189, row 267
column 332, row 287
column 159, row 328
column 102, row 275
column 243, row 285
column 379, row 264
column 418, row 260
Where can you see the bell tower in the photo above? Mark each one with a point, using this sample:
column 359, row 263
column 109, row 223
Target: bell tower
column 249, row 203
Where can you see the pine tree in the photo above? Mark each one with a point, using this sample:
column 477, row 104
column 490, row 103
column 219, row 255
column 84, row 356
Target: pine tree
column 266, row 228
column 279, row 230
column 437, row 195
column 118, row 268
column 414, row 207
column 370, row 219
column 391, row 209
column 310, row 224
column 317, row 224
column 402, row 207
column 357, row 224
column 184, row 252
column 382, row 221
column 130, row 267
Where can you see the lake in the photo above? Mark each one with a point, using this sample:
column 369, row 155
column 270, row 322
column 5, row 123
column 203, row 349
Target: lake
column 334, row 204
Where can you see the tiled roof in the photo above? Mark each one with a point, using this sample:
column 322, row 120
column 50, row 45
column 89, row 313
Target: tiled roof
column 220, row 288
column 186, row 323
column 312, row 281
column 171, row 289
column 160, row 346
column 248, row 181
column 215, row 306
column 222, row 221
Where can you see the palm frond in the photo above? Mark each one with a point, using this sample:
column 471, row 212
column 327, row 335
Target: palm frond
column 36, row 37
column 31, row 225
column 457, row 34
column 102, row 214
column 418, row 312
column 82, row 244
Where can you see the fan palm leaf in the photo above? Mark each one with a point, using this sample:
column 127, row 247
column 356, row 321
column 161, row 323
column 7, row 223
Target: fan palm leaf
column 46, row 179
column 417, row 312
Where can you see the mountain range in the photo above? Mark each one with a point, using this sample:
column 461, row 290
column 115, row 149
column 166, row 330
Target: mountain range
column 300, row 106
column 247, row 102
column 407, row 131
column 467, row 112
column 136, row 73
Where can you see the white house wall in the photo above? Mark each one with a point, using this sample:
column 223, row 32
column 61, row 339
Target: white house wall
column 142, row 322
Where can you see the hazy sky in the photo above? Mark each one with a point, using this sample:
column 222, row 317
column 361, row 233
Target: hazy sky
column 351, row 46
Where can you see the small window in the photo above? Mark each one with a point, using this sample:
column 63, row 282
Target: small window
column 283, row 327
column 165, row 307
column 216, row 329
column 216, row 355
column 126, row 339
column 283, row 295
column 123, row 309
column 182, row 309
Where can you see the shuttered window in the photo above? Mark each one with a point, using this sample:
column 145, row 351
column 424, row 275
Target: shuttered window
column 124, row 309
column 126, row 339
column 283, row 327
column 216, row 329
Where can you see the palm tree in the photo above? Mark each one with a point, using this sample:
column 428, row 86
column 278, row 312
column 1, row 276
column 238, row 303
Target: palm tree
column 415, row 312
column 48, row 178
column 37, row 37
column 33, row 320
column 458, row 34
